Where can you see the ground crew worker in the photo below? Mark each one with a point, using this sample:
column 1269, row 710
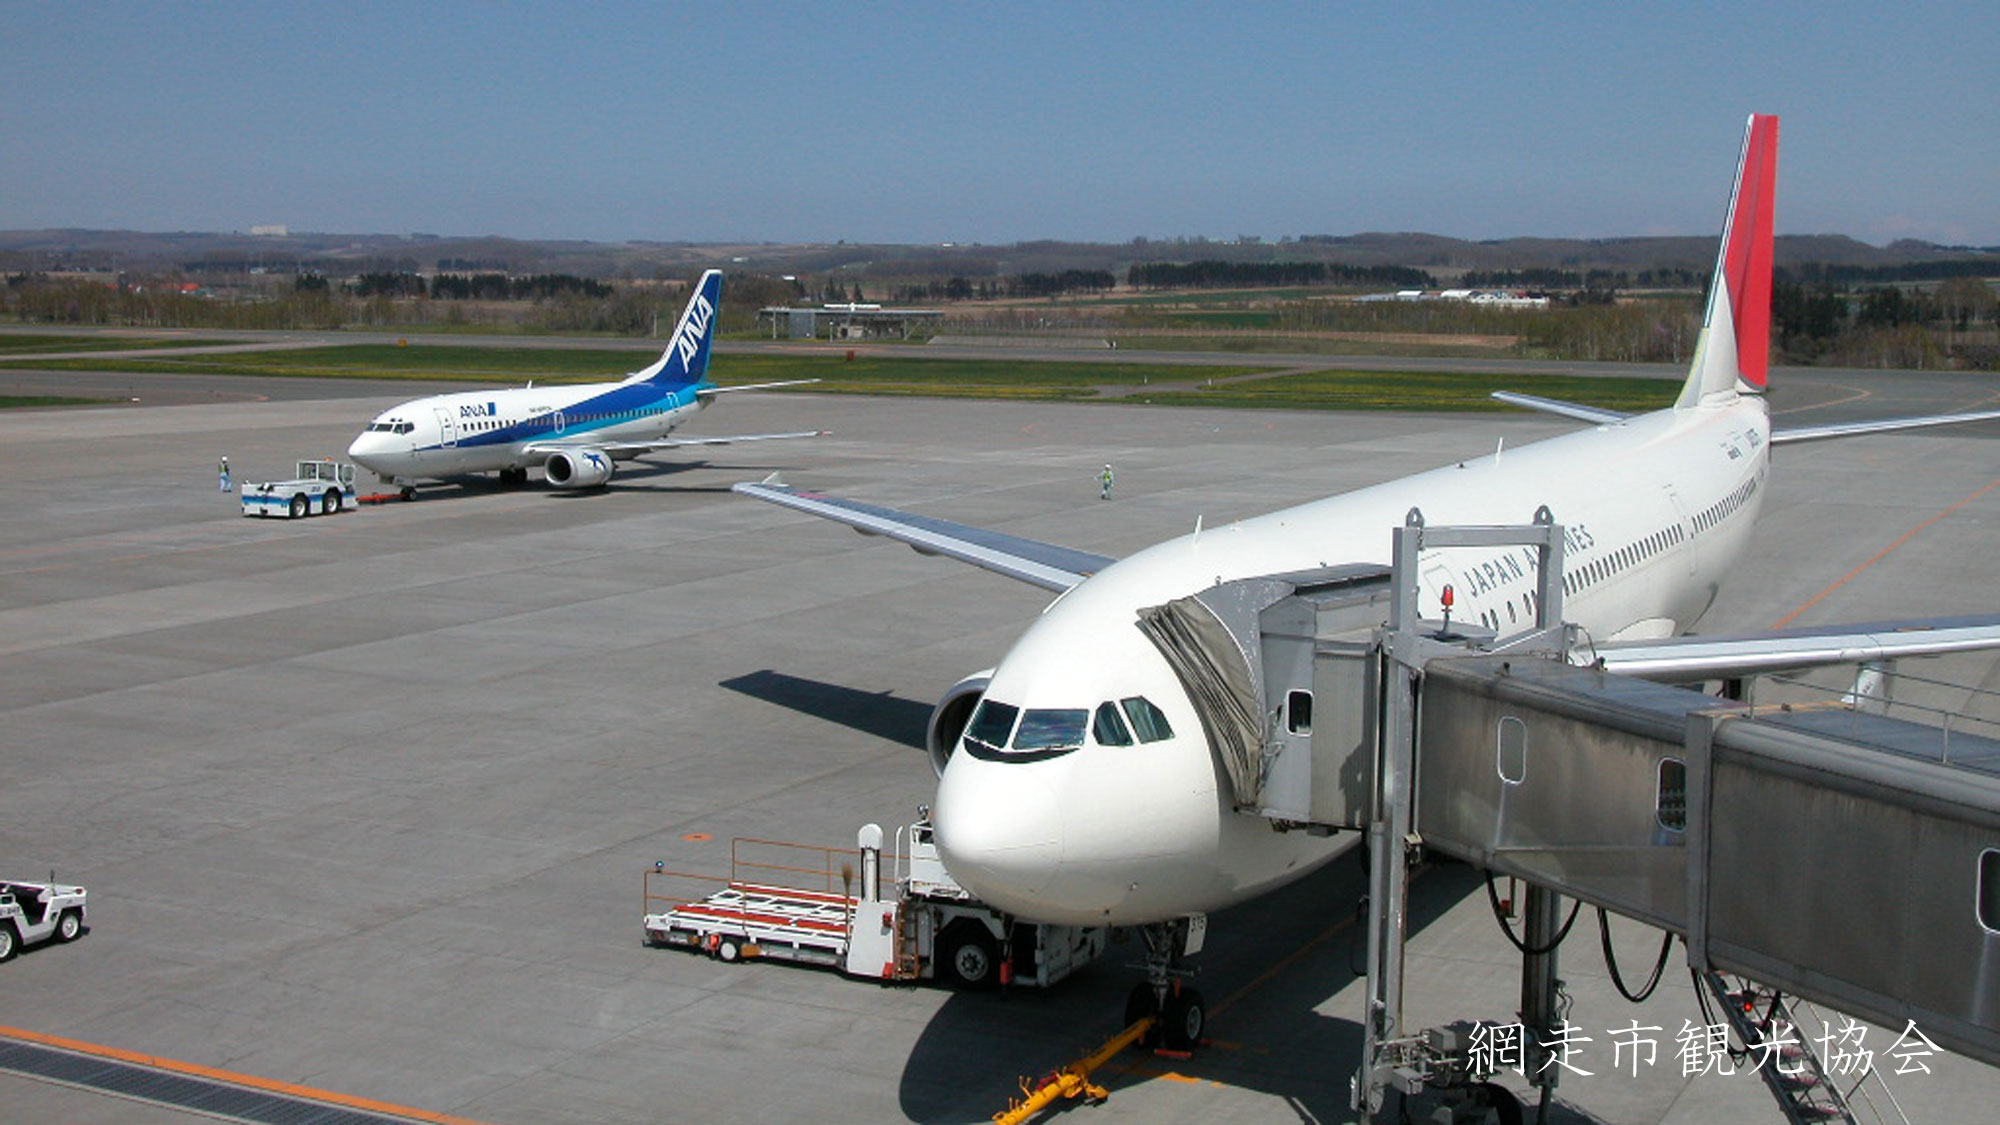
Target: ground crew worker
column 222, row 475
column 1104, row 484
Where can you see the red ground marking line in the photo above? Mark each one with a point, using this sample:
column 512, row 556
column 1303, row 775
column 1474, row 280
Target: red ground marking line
column 1882, row 554
column 309, row 1093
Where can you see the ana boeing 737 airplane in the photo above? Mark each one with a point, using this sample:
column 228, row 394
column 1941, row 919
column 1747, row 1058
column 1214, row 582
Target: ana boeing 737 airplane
column 1077, row 781
column 575, row 433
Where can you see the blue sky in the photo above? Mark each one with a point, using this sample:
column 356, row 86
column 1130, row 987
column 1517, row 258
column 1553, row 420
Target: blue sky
column 930, row 122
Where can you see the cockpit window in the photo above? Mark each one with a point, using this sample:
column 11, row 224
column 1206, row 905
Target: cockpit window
column 1109, row 727
column 992, row 723
column 1148, row 721
column 392, row 426
column 1049, row 728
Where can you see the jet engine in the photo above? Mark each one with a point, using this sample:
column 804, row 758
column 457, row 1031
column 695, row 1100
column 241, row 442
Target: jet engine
column 949, row 717
column 577, row 468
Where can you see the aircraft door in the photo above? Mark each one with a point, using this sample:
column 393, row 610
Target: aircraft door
column 1689, row 551
column 447, row 428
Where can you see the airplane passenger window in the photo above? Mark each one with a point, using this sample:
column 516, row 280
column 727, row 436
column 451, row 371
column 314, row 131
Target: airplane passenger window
column 992, row 723
column 1109, row 727
column 1049, row 728
column 1148, row 721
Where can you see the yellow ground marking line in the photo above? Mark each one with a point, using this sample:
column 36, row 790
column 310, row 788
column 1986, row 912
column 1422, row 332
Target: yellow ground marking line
column 268, row 1085
column 1882, row 554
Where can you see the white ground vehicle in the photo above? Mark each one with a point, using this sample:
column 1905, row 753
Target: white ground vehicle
column 32, row 913
column 321, row 487
column 930, row 928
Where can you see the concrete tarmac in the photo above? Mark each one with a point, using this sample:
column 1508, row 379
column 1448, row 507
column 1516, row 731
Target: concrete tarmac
column 363, row 802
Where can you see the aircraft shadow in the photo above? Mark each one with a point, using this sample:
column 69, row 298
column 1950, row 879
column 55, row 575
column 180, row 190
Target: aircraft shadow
column 876, row 713
column 1268, row 966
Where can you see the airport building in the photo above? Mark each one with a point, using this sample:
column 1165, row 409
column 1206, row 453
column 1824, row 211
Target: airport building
column 853, row 321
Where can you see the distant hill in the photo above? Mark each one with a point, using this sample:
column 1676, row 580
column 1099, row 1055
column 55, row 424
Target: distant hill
column 198, row 252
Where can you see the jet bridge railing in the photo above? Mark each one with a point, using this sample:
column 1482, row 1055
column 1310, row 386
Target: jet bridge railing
column 1843, row 868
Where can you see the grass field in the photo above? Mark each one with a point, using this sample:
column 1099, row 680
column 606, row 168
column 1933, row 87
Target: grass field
column 26, row 343
column 1411, row 390
column 1169, row 384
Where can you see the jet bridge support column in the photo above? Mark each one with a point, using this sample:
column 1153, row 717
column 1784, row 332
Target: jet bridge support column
column 1391, row 1056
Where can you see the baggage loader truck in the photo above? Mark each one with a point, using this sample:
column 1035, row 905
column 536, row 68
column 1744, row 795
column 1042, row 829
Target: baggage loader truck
column 927, row 927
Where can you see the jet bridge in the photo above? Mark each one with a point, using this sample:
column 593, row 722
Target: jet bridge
column 1705, row 817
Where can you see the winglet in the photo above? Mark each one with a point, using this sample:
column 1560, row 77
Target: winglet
column 1734, row 351
column 686, row 359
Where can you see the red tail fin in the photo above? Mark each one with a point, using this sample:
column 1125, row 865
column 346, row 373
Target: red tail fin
column 1734, row 352
column 1746, row 251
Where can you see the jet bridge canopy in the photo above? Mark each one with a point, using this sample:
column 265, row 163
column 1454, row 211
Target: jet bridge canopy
column 1239, row 648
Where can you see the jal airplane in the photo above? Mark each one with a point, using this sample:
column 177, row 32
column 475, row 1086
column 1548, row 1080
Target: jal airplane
column 575, row 432
column 1083, row 789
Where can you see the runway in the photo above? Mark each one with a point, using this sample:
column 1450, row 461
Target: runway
column 363, row 802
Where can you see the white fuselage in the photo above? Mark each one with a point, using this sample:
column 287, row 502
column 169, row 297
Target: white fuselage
column 485, row 431
column 1656, row 509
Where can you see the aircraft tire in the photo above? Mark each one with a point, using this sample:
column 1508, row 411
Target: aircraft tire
column 968, row 957
column 1184, row 1020
column 69, row 927
column 1139, row 1004
column 409, row 493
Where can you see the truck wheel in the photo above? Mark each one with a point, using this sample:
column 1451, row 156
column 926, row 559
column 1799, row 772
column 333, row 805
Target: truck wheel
column 968, row 957
column 298, row 506
column 1184, row 1019
column 69, row 927
column 330, row 503
column 728, row 949
column 10, row 943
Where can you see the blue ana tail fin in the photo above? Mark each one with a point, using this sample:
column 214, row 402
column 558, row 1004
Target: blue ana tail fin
column 685, row 362
column 1734, row 351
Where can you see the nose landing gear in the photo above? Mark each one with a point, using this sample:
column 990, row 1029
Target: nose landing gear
column 1181, row 1015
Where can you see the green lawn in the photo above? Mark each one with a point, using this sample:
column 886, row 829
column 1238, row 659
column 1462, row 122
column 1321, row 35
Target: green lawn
column 1412, row 390
column 27, row 343
column 918, row 375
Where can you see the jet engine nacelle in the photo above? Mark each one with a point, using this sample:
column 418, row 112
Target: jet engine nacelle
column 949, row 717
column 577, row 468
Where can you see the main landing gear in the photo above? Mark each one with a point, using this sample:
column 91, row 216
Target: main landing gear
column 1181, row 1015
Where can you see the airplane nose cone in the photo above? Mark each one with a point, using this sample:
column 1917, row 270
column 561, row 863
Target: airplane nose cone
column 362, row 450
column 999, row 831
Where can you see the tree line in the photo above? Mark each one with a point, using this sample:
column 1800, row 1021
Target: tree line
column 1597, row 279
column 473, row 287
column 1213, row 274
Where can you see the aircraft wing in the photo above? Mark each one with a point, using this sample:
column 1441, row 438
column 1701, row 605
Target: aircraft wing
column 1576, row 410
column 707, row 394
column 625, row 449
column 1027, row 560
column 1687, row 659
column 1778, row 437
column 1849, row 429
